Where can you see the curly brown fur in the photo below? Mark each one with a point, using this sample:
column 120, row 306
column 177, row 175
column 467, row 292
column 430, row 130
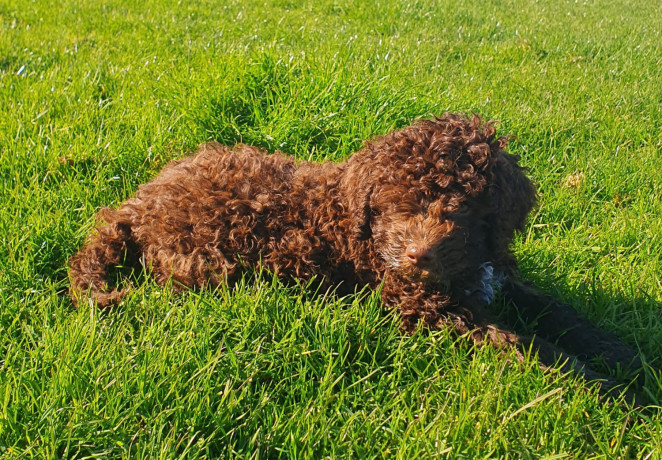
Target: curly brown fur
column 427, row 212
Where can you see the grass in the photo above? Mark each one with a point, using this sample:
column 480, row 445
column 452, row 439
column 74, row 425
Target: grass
column 96, row 97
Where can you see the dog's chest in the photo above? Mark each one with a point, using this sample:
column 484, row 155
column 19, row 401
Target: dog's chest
column 488, row 284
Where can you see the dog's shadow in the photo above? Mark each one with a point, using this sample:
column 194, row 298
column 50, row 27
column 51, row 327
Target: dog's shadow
column 567, row 330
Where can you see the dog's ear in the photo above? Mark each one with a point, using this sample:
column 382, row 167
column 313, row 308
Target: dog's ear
column 512, row 196
column 361, row 213
column 357, row 188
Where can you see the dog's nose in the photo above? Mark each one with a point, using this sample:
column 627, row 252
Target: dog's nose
column 419, row 255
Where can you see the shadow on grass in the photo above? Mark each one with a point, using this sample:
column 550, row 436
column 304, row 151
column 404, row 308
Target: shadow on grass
column 277, row 105
column 616, row 318
column 258, row 109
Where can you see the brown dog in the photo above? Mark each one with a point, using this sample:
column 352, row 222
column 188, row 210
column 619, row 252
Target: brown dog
column 427, row 212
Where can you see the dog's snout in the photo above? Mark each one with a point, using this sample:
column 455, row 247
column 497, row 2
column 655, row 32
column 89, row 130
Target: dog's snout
column 419, row 255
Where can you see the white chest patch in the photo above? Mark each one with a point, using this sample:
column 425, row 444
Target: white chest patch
column 488, row 284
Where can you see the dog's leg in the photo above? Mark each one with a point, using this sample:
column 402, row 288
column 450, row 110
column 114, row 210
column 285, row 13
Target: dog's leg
column 560, row 323
column 550, row 356
column 195, row 269
column 90, row 269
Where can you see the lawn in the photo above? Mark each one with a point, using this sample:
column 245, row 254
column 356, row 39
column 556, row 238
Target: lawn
column 96, row 97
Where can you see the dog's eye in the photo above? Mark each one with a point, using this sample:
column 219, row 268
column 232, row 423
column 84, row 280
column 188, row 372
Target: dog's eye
column 463, row 208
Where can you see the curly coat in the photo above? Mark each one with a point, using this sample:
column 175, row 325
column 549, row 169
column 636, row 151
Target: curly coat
column 427, row 213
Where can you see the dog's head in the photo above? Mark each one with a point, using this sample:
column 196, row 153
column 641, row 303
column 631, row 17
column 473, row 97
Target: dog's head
column 432, row 197
column 429, row 238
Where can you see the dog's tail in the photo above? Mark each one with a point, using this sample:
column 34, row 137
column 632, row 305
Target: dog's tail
column 89, row 270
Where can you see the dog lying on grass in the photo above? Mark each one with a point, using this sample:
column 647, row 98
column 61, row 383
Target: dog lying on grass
column 427, row 213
